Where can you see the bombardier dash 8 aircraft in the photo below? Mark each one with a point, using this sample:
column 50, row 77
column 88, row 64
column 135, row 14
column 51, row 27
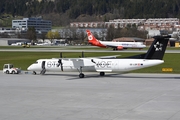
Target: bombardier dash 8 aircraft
column 153, row 57
column 115, row 45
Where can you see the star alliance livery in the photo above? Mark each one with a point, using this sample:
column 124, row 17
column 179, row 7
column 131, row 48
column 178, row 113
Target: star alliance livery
column 154, row 56
column 115, row 45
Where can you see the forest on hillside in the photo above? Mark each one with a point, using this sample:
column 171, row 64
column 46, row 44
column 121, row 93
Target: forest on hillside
column 61, row 12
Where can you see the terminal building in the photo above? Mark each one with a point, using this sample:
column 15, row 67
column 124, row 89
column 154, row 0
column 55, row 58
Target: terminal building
column 39, row 24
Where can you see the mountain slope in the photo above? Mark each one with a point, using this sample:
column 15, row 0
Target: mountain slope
column 61, row 12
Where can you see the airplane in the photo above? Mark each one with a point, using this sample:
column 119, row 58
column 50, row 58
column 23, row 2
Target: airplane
column 154, row 56
column 115, row 45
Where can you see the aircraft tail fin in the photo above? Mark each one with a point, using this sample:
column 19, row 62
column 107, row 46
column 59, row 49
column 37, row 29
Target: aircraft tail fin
column 91, row 37
column 93, row 41
column 157, row 48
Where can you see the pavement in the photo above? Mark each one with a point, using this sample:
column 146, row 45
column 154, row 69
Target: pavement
column 65, row 96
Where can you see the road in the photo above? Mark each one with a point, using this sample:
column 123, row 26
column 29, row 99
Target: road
column 62, row 49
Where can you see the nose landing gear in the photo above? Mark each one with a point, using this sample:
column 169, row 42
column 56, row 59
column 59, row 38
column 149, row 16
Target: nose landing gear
column 81, row 75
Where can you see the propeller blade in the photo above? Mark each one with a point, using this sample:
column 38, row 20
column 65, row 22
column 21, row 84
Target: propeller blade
column 60, row 64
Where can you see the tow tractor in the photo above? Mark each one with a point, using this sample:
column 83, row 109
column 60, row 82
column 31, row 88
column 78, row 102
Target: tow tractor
column 25, row 45
column 9, row 69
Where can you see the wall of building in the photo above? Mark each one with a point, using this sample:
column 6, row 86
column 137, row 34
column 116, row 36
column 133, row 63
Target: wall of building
column 39, row 24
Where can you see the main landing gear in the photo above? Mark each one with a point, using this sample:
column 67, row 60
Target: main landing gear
column 81, row 75
column 102, row 73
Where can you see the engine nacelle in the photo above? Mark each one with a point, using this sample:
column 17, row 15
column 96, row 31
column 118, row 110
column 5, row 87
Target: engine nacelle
column 119, row 47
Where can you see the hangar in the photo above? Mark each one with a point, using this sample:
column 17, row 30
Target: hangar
column 129, row 39
column 147, row 42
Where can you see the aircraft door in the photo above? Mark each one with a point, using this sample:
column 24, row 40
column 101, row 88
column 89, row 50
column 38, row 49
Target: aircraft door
column 43, row 64
column 43, row 67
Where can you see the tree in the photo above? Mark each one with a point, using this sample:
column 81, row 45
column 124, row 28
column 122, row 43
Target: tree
column 81, row 36
column 56, row 35
column 50, row 36
column 110, row 33
column 73, row 35
column 43, row 36
column 53, row 35
column 31, row 34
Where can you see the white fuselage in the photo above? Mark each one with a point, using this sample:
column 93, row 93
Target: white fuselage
column 124, row 44
column 93, row 65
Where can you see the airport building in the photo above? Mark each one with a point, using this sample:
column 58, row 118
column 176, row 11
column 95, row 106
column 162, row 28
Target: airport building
column 121, row 23
column 39, row 24
column 169, row 24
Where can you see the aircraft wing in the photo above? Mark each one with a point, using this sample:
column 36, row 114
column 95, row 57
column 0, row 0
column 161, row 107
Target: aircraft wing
column 89, row 64
column 115, row 47
column 80, row 62
column 106, row 57
column 101, row 57
column 77, row 63
column 112, row 46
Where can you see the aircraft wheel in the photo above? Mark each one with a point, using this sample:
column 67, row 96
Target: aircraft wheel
column 81, row 75
column 102, row 73
column 34, row 73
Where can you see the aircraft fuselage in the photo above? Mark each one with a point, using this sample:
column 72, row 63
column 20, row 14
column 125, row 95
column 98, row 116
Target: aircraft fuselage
column 93, row 65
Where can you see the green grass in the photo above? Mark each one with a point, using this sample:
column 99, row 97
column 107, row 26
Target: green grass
column 171, row 60
column 24, row 59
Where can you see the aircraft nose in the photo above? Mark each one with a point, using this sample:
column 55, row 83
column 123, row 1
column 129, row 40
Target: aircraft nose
column 30, row 67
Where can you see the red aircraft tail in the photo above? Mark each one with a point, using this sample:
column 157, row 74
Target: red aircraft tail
column 92, row 40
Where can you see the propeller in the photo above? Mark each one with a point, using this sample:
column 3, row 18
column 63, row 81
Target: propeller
column 93, row 61
column 60, row 64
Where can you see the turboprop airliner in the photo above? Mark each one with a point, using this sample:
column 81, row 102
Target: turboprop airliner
column 154, row 56
column 115, row 45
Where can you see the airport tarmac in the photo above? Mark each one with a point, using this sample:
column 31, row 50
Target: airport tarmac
column 65, row 96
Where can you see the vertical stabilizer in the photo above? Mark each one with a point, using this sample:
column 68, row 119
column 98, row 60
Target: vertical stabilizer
column 93, row 41
column 91, row 37
column 157, row 48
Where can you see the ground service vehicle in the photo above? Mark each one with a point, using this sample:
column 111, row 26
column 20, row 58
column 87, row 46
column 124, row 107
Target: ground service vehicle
column 25, row 45
column 9, row 69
